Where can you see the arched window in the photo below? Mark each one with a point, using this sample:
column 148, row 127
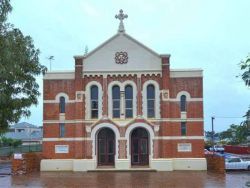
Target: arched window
column 128, row 101
column 183, row 103
column 151, row 101
column 62, row 105
column 94, row 101
column 116, row 101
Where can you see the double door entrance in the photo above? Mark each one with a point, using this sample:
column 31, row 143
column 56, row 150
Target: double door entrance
column 139, row 147
column 106, row 147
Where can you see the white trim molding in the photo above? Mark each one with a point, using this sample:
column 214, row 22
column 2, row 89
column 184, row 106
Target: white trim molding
column 62, row 95
column 127, row 137
column 157, row 99
column 179, row 138
column 105, row 74
column 87, row 99
column 59, row 75
column 123, row 123
column 66, row 139
column 57, row 99
column 188, row 97
column 183, row 73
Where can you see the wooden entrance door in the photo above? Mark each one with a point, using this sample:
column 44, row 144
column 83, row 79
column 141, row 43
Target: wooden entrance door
column 106, row 147
column 139, row 147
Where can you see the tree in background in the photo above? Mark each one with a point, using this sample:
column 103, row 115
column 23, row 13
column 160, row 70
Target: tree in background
column 236, row 134
column 245, row 67
column 6, row 142
column 19, row 65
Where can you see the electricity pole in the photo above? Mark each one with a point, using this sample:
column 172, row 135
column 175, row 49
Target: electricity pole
column 212, row 118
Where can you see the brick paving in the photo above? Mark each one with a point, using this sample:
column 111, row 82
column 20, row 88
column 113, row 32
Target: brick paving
column 127, row 179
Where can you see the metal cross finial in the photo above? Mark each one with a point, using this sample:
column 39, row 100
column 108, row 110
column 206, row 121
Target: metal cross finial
column 121, row 17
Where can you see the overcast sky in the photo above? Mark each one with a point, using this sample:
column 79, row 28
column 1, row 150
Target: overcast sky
column 212, row 35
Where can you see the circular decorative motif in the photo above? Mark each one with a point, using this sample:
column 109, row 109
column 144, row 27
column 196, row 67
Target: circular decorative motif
column 121, row 57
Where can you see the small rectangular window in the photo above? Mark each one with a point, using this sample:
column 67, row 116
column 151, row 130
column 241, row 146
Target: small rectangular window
column 183, row 129
column 61, row 129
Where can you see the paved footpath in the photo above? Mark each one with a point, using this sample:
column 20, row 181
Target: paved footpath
column 174, row 179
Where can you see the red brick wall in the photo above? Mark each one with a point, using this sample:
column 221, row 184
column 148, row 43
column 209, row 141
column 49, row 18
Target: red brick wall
column 169, row 149
column 52, row 87
column 174, row 129
column 83, row 149
column 191, row 85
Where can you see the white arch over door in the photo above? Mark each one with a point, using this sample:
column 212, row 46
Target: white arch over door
column 151, row 137
column 94, row 139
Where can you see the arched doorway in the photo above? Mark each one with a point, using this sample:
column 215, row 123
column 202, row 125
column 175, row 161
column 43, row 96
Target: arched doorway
column 106, row 147
column 139, row 147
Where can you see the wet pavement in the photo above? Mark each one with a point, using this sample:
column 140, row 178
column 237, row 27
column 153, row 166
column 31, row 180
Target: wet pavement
column 5, row 168
column 128, row 179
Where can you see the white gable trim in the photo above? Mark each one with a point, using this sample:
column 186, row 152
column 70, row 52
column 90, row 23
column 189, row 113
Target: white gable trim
column 112, row 38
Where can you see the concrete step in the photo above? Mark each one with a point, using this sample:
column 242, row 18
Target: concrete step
column 123, row 170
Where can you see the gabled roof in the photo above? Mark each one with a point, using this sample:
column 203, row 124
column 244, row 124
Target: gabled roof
column 36, row 135
column 104, row 57
column 23, row 125
column 114, row 37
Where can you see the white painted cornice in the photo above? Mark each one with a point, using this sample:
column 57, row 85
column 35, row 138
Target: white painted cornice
column 59, row 75
column 183, row 73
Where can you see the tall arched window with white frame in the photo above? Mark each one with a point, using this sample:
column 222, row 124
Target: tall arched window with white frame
column 183, row 103
column 62, row 104
column 116, row 101
column 94, row 101
column 128, row 101
column 151, row 101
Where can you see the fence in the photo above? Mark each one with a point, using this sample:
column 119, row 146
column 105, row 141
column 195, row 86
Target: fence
column 8, row 151
column 237, row 149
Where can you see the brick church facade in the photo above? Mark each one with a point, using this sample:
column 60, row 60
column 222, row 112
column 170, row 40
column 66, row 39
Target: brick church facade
column 123, row 107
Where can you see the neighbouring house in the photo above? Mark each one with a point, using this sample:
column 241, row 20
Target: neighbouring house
column 122, row 107
column 28, row 133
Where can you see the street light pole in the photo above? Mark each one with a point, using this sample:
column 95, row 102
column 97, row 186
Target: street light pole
column 212, row 118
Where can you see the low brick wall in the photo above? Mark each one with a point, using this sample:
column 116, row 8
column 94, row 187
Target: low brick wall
column 30, row 162
column 237, row 149
column 215, row 163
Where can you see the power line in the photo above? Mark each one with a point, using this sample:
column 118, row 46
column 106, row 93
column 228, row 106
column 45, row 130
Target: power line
column 225, row 117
